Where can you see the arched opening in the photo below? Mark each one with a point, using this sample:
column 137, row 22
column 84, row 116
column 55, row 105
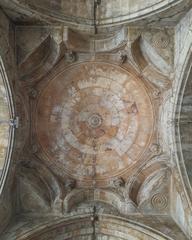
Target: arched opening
column 185, row 126
column 6, row 124
column 183, row 118
column 105, row 227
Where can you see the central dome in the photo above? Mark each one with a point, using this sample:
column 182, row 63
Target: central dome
column 94, row 120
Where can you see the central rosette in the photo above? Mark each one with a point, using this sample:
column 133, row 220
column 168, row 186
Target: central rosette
column 91, row 119
column 94, row 123
column 94, row 119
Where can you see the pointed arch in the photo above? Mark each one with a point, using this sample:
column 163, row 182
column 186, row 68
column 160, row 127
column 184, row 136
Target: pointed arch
column 7, row 131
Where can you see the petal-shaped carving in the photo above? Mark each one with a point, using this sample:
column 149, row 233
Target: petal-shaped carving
column 151, row 65
column 154, row 58
column 143, row 175
column 156, row 182
column 40, row 61
column 33, row 198
column 42, row 182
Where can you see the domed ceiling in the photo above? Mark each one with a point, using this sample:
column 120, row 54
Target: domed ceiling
column 94, row 121
column 95, row 153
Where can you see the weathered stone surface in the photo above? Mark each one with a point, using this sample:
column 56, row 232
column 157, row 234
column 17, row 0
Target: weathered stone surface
column 108, row 12
column 7, row 76
column 103, row 98
column 99, row 120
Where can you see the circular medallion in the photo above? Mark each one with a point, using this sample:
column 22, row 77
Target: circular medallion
column 159, row 201
column 94, row 120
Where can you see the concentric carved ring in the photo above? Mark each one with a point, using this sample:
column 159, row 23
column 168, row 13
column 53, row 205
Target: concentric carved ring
column 159, row 201
column 94, row 120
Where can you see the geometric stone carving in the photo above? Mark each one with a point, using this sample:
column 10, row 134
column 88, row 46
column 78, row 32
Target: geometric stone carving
column 159, row 201
column 160, row 40
column 39, row 190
